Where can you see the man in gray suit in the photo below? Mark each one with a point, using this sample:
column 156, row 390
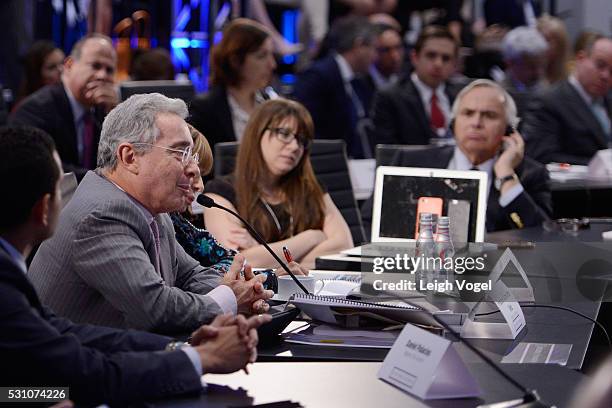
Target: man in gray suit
column 114, row 260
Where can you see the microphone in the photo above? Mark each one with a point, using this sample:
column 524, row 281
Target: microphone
column 210, row 203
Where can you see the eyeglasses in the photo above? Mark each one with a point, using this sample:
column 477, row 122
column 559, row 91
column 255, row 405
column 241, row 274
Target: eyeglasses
column 186, row 155
column 287, row 136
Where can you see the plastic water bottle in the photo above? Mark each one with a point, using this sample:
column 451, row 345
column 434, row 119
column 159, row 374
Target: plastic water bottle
column 444, row 250
column 426, row 250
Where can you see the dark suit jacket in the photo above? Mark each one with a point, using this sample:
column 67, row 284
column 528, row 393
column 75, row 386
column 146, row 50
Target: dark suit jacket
column 560, row 127
column 321, row 90
column 210, row 114
column 399, row 115
column 99, row 364
column 533, row 206
column 49, row 109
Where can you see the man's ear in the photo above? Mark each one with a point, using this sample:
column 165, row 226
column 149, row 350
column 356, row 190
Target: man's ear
column 126, row 158
column 40, row 211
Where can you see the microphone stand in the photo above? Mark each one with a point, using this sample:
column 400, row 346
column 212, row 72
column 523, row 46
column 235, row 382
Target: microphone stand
column 210, row 203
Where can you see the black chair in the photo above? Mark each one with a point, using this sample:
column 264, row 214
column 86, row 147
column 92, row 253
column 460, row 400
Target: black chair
column 329, row 161
column 390, row 155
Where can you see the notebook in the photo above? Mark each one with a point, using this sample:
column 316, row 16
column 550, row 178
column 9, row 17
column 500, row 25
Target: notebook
column 353, row 313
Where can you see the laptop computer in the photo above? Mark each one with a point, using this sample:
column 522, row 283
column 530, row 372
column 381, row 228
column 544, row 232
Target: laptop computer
column 399, row 190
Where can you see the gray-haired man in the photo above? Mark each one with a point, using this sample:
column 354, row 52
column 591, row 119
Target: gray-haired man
column 114, row 260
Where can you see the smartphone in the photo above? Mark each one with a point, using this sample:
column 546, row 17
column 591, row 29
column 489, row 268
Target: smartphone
column 459, row 215
column 432, row 205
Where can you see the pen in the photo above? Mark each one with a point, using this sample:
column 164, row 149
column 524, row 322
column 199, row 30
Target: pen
column 287, row 254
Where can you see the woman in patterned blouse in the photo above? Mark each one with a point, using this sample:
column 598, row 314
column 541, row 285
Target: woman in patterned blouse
column 197, row 242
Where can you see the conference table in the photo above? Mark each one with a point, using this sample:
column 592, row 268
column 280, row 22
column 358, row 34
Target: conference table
column 316, row 376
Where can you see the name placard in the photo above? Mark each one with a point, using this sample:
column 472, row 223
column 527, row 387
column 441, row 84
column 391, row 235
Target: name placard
column 427, row 366
column 509, row 308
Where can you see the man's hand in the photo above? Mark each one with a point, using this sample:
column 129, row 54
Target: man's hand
column 248, row 288
column 512, row 155
column 102, row 93
column 233, row 347
column 294, row 267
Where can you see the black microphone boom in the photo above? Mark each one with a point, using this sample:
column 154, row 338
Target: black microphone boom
column 210, row 203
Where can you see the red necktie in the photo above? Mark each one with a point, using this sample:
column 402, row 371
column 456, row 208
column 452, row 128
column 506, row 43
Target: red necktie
column 88, row 141
column 436, row 120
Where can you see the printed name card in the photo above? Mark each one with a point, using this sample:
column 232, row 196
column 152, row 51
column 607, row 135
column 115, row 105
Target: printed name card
column 427, row 366
column 509, row 308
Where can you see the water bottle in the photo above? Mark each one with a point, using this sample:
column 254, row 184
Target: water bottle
column 425, row 250
column 444, row 250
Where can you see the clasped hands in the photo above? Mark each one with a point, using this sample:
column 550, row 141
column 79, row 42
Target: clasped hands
column 229, row 343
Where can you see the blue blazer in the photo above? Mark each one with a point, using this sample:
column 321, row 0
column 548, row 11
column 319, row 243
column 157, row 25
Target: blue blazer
column 99, row 364
column 321, row 90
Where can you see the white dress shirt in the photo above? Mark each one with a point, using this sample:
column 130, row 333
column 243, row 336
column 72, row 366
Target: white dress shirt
column 443, row 102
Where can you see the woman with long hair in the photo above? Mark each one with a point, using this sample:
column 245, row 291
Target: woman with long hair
column 274, row 188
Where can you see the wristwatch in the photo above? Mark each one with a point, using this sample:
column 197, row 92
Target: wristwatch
column 499, row 182
column 176, row 345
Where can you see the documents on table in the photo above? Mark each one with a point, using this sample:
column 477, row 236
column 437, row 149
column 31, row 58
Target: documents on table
column 334, row 336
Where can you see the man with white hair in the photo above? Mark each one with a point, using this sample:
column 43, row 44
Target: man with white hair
column 114, row 260
column 484, row 116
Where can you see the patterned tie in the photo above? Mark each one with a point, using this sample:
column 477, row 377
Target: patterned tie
column 88, row 140
column 436, row 119
column 155, row 230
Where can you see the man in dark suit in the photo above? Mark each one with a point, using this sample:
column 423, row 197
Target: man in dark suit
column 332, row 88
column 73, row 110
column 389, row 57
column 519, row 195
column 570, row 122
column 417, row 109
column 98, row 364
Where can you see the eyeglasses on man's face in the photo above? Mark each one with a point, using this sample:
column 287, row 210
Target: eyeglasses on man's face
column 184, row 155
column 287, row 136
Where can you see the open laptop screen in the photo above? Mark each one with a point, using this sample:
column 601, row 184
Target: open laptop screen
column 401, row 192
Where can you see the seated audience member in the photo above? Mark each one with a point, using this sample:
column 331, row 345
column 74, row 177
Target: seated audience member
column 72, row 111
column 274, row 188
column 333, row 88
column 389, row 57
column 98, row 364
column 152, row 65
column 557, row 59
column 242, row 66
column 524, row 50
column 519, row 195
column 570, row 122
column 42, row 66
column 199, row 243
column 114, row 260
column 417, row 109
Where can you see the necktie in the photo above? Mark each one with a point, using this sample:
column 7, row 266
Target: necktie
column 88, row 141
column 359, row 146
column 602, row 117
column 155, row 230
column 436, row 120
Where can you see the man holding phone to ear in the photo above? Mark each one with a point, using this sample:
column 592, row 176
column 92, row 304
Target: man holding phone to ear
column 73, row 110
column 484, row 116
